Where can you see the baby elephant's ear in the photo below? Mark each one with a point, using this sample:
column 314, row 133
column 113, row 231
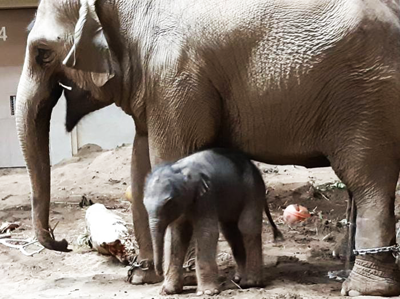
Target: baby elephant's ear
column 90, row 51
column 204, row 184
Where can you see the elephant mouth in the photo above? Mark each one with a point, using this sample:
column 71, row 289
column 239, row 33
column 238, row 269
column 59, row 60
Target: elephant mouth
column 80, row 103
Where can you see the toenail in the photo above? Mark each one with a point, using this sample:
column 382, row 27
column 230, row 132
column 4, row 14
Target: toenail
column 353, row 293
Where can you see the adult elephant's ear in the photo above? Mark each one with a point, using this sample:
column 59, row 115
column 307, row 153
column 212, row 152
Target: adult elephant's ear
column 90, row 51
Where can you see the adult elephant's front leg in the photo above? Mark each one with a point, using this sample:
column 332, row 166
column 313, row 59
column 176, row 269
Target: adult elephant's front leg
column 373, row 188
column 140, row 168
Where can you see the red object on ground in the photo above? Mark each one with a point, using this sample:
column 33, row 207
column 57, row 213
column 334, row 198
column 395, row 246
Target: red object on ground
column 295, row 213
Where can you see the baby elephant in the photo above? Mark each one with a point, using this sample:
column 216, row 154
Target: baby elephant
column 191, row 197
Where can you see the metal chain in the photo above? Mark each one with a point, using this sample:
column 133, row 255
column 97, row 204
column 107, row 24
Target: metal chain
column 143, row 265
column 190, row 264
column 395, row 249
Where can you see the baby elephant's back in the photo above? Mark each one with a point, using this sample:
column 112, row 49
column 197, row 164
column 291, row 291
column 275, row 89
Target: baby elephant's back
column 239, row 182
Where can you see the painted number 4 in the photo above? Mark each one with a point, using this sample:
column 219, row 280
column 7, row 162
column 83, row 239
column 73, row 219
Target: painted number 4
column 3, row 34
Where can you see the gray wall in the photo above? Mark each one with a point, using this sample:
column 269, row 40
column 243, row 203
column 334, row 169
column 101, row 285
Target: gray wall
column 18, row 3
column 11, row 59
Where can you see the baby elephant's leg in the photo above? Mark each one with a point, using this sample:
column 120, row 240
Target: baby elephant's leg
column 179, row 237
column 206, row 236
column 235, row 239
column 250, row 225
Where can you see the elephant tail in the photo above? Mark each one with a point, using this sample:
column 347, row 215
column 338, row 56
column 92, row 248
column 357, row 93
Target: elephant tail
column 278, row 236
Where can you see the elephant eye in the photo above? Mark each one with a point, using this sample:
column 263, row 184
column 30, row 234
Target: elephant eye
column 44, row 56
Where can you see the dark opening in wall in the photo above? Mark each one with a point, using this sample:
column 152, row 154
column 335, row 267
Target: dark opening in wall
column 12, row 104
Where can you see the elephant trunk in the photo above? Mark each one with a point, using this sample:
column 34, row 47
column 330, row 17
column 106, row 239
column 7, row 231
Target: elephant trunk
column 35, row 101
column 157, row 230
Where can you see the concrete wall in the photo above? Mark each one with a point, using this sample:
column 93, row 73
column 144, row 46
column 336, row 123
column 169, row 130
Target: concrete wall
column 60, row 140
column 12, row 51
column 18, row 3
column 108, row 127
column 10, row 152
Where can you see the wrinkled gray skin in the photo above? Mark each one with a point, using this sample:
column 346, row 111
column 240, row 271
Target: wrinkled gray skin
column 313, row 83
column 191, row 197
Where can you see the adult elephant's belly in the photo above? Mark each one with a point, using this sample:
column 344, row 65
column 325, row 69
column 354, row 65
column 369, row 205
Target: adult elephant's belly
column 280, row 131
column 283, row 156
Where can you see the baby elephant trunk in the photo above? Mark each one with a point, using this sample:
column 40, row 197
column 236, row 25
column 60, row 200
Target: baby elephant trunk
column 157, row 229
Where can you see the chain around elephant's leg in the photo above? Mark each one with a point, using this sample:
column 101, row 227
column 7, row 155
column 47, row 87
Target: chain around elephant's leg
column 373, row 188
column 139, row 170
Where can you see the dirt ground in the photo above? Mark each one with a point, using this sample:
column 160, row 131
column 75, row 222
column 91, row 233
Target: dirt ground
column 293, row 269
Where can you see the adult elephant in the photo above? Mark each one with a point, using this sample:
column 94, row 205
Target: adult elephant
column 314, row 83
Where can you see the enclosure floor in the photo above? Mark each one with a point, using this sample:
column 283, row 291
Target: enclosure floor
column 293, row 269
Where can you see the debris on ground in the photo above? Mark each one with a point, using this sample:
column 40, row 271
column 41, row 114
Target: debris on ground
column 7, row 227
column 224, row 260
column 329, row 238
column 85, row 202
column 340, row 275
column 107, row 233
column 23, row 245
column 6, row 197
column 5, row 235
column 330, row 186
column 128, row 193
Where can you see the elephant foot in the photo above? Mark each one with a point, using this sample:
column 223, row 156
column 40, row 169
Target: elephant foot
column 189, row 279
column 49, row 243
column 208, row 289
column 251, row 283
column 370, row 276
column 139, row 276
column 171, row 288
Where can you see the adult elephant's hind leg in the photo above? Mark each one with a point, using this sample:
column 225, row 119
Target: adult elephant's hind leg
column 372, row 181
column 140, row 168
